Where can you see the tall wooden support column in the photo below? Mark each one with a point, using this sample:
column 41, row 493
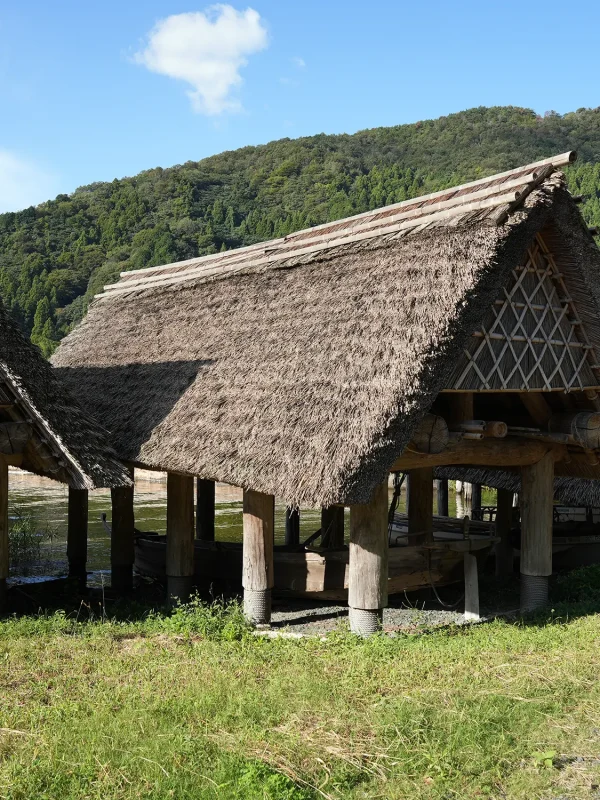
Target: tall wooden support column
column 332, row 526
column 180, row 536
column 77, row 534
column 292, row 526
column 442, row 497
column 537, row 482
column 420, row 506
column 205, row 510
column 257, row 558
column 504, row 548
column 476, row 501
column 368, row 574
column 122, row 538
column 3, row 531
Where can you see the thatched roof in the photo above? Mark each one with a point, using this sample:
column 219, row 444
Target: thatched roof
column 301, row 367
column 65, row 443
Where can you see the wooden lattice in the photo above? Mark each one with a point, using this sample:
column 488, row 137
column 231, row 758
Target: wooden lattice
column 532, row 338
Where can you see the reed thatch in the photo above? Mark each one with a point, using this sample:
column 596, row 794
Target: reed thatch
column 301, row 367
column 66, row 443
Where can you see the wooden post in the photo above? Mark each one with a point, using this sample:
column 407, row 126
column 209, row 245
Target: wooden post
column 420, row 506
column 257, row 558
column 471, row 587
column 537, row 493
column 442, row 497
column 77, row 534
column 460, row 408
column 504, row 548
column 292, row 526
column 332, row 526
column 368, row 572
column 3, row 531
column 180, row 536
column 122, row 538
column 205, row 510
column 476, row 501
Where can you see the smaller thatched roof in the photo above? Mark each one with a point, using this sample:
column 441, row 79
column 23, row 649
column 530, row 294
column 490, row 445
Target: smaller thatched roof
column 65, row 443
column 301, row 367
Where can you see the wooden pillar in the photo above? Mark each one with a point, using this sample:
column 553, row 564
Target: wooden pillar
column 332, row 526
column 504, row 548
column 77, row 534
column 476, row 501
column 471, row 587
column 368, row 573
column 180, row 536
column 537, row 493
column 205, row 510
column 3, row 532
column 420, row 506
column 460, row 408
column 122, row 538
column 442, row 497
column 257, row 558
column 292, row 526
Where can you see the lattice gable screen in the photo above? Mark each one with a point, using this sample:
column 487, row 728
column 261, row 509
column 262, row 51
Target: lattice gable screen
column 531, row 338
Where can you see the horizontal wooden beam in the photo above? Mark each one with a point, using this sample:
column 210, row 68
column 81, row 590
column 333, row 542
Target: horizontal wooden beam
column 508, row 452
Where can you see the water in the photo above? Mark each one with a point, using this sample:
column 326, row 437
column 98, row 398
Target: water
column 44, row 504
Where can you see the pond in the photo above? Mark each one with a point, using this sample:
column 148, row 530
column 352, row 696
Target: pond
column 38, row 512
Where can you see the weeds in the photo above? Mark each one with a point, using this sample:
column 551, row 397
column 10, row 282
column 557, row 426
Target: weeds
column 26, row 540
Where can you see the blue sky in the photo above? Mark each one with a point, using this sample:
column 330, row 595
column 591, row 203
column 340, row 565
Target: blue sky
column 97, row 90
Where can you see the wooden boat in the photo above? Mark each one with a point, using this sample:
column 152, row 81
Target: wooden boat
column 314, row 572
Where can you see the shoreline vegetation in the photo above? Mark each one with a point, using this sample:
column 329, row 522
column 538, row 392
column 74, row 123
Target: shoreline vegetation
column 137, row 703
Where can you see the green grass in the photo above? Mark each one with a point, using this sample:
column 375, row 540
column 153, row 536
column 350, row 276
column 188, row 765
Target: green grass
column 192, row 705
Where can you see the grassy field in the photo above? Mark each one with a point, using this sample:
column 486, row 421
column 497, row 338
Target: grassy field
column 193, row 706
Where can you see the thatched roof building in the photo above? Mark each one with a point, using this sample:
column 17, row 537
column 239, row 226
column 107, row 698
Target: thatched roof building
column 302, row 367
column 42, row 428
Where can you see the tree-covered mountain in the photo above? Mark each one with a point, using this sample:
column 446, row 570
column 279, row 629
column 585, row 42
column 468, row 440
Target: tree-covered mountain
column 54, row 257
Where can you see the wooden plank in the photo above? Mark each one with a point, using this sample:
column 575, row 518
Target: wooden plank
column 180, row 528
column 537, row 493
column 332, row 526
column 420, row 506
column 77, row 533
column 504, row 548
column 368, row 573
column 259, row 528
column 122, row 538
column 4, row 561
column 205, row 510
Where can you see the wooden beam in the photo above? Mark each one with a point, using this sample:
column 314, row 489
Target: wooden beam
column 3, row 531
column 511, row 451
column 460, row 408
column 537, row 407
column 77, row 534
column 257, row 557
column 442, row 497
column 122, row 538
column 537, row 494
column 180, row 536
column 504, row 548
column 475, row 501
column 368, row 569
column 292, row 526
column 332, row 526
column 205, row 510
column 420, row 506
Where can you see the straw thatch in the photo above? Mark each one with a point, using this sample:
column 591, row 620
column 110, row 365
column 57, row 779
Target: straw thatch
column 66, row 444
column 301, row 367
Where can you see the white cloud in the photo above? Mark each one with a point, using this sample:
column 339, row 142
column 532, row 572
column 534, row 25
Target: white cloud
column 206, row 50
column 23, row 183
column 298, row 62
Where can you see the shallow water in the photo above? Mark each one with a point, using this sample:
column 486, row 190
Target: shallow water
column 45, row 502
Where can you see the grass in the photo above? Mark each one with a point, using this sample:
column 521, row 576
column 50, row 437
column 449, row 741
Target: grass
column 191, row 705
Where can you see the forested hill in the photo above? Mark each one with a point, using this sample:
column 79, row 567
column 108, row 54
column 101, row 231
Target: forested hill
column 54, row 257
